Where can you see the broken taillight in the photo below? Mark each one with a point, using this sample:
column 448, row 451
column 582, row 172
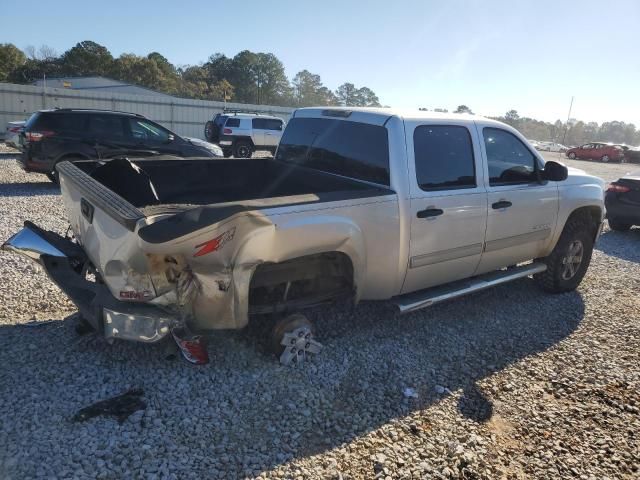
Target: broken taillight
column 38, row 136
column 617, row 188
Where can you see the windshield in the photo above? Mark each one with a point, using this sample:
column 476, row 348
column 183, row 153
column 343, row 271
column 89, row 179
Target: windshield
column 352, row 149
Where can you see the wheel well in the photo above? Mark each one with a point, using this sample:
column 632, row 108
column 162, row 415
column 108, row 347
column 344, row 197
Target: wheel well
column 300, row 282
column 249, row 140
column 591, row 213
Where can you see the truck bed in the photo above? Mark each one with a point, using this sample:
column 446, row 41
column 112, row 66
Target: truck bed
column 131, row 190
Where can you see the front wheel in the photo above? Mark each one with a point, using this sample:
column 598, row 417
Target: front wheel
column 572, row 156
column 568, row 262
column 605, row 159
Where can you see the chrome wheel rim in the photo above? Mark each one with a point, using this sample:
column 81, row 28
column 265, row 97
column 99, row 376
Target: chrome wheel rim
column 297, row 344
column 605, row 159
column 572, row 260
column 243, row 151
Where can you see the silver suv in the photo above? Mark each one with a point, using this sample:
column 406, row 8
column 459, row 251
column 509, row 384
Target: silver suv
column 241, row 134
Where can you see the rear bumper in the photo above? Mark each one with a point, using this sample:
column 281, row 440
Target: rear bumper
column 64, row 262
column 623, row 212
column 28, row 164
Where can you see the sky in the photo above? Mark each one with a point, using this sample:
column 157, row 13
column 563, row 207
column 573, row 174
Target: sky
column 492, row 55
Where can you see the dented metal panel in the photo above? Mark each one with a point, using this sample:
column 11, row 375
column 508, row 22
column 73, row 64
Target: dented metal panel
column 206, row 275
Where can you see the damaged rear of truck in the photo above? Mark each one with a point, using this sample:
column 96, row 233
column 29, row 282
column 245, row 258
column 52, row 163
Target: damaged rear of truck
column 163, row 243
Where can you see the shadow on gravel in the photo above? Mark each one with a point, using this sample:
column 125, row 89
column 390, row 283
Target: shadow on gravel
column 28, row 189
column 623, row 245
column 244, row 414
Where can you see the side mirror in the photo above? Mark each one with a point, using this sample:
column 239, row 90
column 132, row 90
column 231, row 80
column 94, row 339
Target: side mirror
column 554, row 171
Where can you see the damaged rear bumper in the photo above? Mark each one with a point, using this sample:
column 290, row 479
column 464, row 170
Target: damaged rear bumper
column 64, row 262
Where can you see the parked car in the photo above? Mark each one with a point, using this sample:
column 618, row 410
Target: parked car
column 551, row 147
column 605, row 152
column 631, row 154
column 622, row 201
column 51, row 136
column 362, row 204
column 12, row 133
column 535, row 144
column 241, row 134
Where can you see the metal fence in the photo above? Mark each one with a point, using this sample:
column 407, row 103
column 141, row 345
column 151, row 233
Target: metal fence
column 184, row 116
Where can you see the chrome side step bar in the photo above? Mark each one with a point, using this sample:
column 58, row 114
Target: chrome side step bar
column 425, row 298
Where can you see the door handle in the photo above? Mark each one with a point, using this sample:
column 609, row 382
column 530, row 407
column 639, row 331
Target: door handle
column 430, row 212
column 501, row 204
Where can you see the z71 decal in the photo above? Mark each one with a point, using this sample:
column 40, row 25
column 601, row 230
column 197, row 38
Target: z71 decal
column 215, row 244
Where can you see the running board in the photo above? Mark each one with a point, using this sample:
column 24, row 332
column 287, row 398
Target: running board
column 425, row 298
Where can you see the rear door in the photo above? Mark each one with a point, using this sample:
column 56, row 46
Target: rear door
column 522, row 211
column 448, row 203
column 259, row 130
column 107, row 132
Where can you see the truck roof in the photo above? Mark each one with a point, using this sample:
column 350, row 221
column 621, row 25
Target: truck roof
column 378, row 116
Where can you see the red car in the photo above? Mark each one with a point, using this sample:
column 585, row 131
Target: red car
column 605, row 152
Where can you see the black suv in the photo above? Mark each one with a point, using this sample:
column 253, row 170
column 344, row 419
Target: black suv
column 51, row 136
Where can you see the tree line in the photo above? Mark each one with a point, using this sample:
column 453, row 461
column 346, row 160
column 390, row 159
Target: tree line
column 256, row 78
column 248, row 77
column 571, row 133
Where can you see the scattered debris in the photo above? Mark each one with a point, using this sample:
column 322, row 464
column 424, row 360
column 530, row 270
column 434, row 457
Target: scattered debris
column 409, row 392
column 120, row 406
column 440, row 390
column 193, row 347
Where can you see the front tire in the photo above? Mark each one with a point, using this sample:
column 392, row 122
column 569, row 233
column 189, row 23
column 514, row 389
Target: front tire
column 605, row 159
column 572, row 156
column 568, row 262
column 618, row 226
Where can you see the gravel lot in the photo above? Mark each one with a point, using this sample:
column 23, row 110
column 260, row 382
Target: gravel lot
column 511, row 382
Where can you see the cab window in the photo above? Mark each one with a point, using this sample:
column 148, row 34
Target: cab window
column 444, row 157
column 508, row 159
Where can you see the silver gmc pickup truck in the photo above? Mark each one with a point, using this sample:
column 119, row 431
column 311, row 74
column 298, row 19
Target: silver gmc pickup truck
column 359, row 204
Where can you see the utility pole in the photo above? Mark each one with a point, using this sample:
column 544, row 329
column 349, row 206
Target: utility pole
column 566, row 126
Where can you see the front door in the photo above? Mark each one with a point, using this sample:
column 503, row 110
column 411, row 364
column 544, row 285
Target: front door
column 272, row 132
column 448, row 203
column 522, row 211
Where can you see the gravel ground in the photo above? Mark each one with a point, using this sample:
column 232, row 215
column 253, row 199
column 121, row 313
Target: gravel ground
column 509, row 383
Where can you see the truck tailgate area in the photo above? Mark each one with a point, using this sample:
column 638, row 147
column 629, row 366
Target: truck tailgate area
column 152, row 233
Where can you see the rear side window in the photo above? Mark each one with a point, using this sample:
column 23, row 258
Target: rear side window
column 352, row 149
column 106, row 126
column 59, row 122
column 71, row 122
column 233, row 122
column 41, row 121
column 266, row 124
column 444, row 157
column 508, row 159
